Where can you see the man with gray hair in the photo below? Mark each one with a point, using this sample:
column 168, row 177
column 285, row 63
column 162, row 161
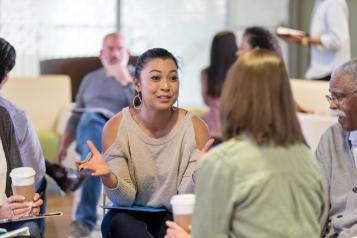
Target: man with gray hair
column 337, row 155
column 102, row 93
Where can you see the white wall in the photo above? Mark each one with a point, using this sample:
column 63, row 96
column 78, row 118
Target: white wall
column 41, row 29
column 267, row 13
column 184, row 27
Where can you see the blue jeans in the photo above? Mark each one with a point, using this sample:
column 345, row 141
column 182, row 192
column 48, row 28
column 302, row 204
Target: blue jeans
column 41, row 189
column 89, row 127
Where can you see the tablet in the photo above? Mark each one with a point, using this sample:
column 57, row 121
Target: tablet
column 136, row 208
column 33, row 217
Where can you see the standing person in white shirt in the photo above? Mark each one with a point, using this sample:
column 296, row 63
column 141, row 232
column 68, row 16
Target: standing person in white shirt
column 329, row 38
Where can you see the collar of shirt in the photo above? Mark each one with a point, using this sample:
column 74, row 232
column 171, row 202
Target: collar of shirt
column 353, row 138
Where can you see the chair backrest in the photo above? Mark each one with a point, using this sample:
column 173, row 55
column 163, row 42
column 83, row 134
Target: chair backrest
column 76, row 68
column 313, row 126
column 43, row 98
column 311, row 94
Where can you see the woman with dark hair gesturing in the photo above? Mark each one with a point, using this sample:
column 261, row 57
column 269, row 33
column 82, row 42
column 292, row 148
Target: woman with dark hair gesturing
column 151, row 150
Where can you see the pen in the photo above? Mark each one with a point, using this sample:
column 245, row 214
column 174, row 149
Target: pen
column 88, row 157
column 41, row 194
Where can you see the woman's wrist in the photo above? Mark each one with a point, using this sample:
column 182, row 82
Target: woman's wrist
column 1, row 212
column 110, row 180
column 305, row 41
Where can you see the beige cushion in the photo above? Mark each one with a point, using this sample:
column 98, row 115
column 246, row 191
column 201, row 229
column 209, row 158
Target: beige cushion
column 310, row 94
column 43, row 98
column 313, row 126
column 199, row 111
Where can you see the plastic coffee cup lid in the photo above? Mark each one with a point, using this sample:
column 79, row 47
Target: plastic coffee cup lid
column 22, row 172
column 183, row 199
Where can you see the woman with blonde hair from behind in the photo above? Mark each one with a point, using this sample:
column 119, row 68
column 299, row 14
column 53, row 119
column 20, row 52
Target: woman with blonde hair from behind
column 263, row 180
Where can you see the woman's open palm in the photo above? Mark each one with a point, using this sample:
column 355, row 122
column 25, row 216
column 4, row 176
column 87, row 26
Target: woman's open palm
column 96, row 164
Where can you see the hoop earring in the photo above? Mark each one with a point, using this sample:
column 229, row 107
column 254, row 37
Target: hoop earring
column 137, row 97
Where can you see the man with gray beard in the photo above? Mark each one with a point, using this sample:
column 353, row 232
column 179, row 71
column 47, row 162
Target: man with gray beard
column 102, row 93
column 337, row 155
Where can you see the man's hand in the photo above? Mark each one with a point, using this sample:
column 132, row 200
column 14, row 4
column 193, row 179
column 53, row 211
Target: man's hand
column 35, row 206
column 123, row 62
column 303, row 109
column 60, row 156
column 66, row 140
column 119, row 71
column 292, row 39
column 14, row 207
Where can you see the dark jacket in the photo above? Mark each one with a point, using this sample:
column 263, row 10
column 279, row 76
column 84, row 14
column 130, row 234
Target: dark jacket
column 11, row 151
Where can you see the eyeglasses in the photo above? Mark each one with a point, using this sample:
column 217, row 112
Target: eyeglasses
column 338, row 97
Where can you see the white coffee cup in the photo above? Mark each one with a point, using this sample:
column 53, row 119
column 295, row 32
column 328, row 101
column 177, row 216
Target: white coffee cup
column 182, row 208
column 23, row 182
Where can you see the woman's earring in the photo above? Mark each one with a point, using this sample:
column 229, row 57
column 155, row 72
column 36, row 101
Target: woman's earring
column 135, row 99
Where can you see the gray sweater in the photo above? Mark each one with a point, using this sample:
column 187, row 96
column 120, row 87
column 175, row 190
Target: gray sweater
column 102, row 93
column 150, row 171
column 340, row 179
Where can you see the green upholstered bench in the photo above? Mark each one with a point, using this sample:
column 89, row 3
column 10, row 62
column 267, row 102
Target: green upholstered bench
column 47, row 101
column 49, row 142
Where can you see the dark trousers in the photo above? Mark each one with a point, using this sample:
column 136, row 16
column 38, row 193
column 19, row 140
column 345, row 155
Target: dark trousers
column 32, row 225
column 127, row 224
column 41, row 189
